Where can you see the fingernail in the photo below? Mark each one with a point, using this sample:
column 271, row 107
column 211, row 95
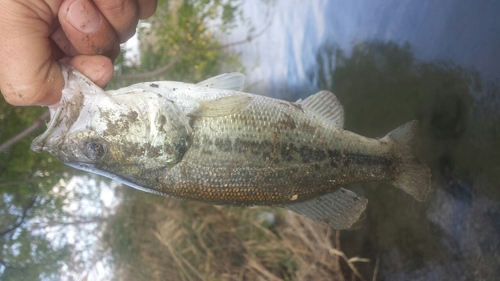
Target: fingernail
column 83, row 16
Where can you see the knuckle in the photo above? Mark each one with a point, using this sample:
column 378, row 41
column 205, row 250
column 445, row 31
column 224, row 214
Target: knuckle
column 147, row 8
column 128, row 32
column 122, row 15
column 27, row 95
column 116, row 6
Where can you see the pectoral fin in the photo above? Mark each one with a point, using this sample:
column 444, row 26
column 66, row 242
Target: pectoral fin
column 339, row 209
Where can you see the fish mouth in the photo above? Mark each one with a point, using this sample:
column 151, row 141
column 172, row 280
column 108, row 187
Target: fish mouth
column 66, row 113
column 39, row 143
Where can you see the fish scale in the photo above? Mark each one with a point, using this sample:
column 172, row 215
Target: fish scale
column 213, row 143
column 250, row 148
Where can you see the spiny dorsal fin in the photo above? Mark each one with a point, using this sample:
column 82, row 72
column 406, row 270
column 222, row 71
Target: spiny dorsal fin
column 227, row 81
column 325, row 106
column 222, row 106
column 339, row 209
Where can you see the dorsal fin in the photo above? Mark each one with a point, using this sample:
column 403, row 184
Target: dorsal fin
column 227, row 81
column 325, row 106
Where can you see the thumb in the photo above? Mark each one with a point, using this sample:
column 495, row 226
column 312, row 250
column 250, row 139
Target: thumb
column 87, row 30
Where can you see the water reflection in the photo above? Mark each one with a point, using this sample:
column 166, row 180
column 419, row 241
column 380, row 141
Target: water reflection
column 389, row 62
column 456, row 234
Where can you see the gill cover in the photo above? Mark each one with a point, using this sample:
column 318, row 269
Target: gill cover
column 156, row 133
column 114, row 129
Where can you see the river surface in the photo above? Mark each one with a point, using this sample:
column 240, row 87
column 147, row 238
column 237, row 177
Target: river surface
column 388, row 62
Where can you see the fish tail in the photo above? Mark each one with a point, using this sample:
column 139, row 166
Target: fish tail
column 413, row 177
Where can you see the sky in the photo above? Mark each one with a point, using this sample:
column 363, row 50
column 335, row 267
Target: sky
column 464, row 32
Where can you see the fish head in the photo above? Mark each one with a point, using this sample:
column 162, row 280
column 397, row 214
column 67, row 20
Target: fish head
column 117, row 133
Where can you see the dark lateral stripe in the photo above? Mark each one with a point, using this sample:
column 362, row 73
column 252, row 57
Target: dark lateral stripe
column 288, row 152
column 223, row 145
column 256, row 148
column 341, row 158
column 311, row 155
column 276, row 152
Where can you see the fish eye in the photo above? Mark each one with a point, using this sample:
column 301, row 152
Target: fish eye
column 93, row 150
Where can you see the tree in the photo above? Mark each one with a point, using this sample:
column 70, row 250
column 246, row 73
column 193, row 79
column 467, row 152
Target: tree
column 179, row 42
column 36, row 207
column 25, row 182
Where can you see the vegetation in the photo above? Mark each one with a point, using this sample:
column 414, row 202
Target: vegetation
column 34, row 205
column 382, row 85
column 39, row 202
column 180, row 42
column 156, row 238
column 393, row 85
column 26, row 179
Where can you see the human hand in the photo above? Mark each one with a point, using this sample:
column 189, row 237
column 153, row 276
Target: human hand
column 36, row 34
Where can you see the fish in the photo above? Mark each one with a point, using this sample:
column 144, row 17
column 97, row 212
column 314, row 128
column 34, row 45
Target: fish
column 213, row 143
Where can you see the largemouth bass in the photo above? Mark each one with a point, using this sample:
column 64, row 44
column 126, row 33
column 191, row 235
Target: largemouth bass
column 213, row 143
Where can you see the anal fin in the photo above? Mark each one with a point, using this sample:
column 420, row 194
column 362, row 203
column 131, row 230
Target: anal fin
column 339, row 209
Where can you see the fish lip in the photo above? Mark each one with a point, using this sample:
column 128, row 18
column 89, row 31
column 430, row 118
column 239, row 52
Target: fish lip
column 38, row 144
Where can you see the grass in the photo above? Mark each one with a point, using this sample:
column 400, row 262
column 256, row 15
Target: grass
column 183, row 240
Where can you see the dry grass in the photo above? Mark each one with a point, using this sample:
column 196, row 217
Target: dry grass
column 192, row 241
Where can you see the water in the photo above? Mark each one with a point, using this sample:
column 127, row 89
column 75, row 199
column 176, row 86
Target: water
column 390, row 62
column 463, row 32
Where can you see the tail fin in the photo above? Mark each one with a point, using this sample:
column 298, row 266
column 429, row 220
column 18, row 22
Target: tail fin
column 414, row 178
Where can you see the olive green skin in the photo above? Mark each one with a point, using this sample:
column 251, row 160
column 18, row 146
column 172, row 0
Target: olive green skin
column 270, row 153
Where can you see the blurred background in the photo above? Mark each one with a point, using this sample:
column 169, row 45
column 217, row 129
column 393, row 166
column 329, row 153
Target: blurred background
column 388, row 62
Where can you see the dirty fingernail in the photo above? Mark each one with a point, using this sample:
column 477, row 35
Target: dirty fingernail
column 84, row 16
